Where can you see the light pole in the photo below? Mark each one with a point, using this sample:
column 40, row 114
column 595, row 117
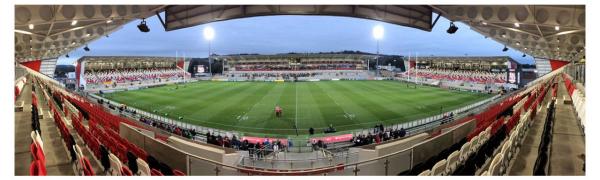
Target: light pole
column 209, row 35
column 378, row 35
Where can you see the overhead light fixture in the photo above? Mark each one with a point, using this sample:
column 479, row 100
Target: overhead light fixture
column 517, row 25
column 74, row 22
column 378, row 32
column 484, row 23
column 88, row 35
column 73, row 43
column 31, row 26
column 143, row 27
column 452, row 29
column 556, row 28
column 208, row 33
column 504, row 49
column 525, row 48
column 109, row 21
column 518, row 43
column 86, row 48
column 23, row 32
column 503, row 35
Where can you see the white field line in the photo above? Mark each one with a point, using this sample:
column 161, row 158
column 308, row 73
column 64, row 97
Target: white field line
column 257, row 102
column 296, row 119
column 335, row 101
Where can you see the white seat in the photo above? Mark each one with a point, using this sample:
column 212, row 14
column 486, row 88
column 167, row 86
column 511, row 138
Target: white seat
column 485, row 173
column 439, row 169
column 513, row 145
column 79, row 155
column 143, row 168
column 35, row 137
column 484, row 136
column 473, row 145
column 78, row 152
column 521, row 133
column 504, row 154
column 482, row 139
column 464, row 152
column 115, row 165
column 425, row 173
column 453, row 160
column 494, row 169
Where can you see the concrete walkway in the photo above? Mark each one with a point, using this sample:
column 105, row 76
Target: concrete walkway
column 87, row 152
column 57, row 157
column 22, row 133
column 527, row 155
column 568, row 142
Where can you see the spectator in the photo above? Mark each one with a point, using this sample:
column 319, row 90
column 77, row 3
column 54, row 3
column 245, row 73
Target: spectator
column 402, row 132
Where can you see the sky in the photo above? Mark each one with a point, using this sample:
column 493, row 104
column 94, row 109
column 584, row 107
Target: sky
column 285, row 33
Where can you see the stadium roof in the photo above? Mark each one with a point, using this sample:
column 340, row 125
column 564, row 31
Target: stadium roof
column 182, row 16
column 302, row 55
column 49, row 31
column 544, row 31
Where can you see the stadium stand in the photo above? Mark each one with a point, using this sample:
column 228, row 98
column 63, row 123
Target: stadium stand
column 460, row 75
column 296, row 67
column 489, row 137
column 98, row 136
column 482, row 74
column 112, row 73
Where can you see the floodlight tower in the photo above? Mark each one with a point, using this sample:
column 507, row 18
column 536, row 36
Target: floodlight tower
column 378, row 35
column 209, row 35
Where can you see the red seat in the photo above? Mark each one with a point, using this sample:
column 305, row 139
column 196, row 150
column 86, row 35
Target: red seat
column 38, row 153
column 155, row 172
column 178, row 172
column 125, row 171
column 37, row 168
column 87, row 167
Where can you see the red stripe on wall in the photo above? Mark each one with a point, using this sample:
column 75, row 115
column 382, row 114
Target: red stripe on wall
column 556, row 64
column 33, row 65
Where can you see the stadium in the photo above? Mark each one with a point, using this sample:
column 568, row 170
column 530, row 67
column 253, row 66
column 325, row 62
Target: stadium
column 341, row 113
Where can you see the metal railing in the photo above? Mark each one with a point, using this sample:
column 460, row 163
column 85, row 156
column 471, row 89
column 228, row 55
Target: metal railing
column 316, row 159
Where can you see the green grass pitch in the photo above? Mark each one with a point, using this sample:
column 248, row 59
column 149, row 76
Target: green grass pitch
column 248, row 107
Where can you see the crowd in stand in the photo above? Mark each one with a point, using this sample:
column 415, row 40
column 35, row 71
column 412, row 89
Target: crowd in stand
column 188, row 133
column 282, row 75
column 302, row 67
column 131, row 75
column 459, row 75
column 259, row 149
column 379, row 135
